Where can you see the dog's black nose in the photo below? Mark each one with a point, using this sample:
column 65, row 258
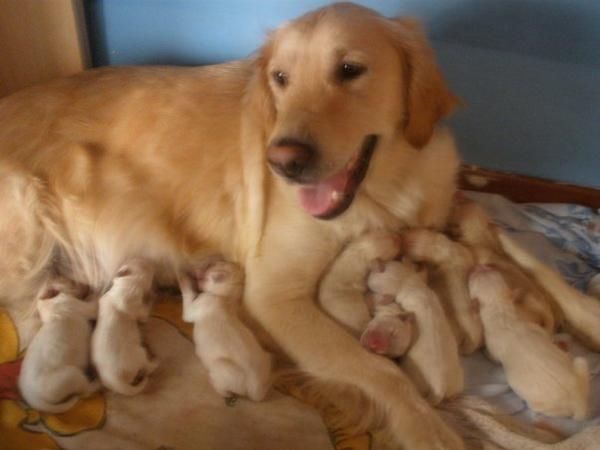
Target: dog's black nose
column 291, row 158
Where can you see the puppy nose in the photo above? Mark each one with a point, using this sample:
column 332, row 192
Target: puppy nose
column 290, row 158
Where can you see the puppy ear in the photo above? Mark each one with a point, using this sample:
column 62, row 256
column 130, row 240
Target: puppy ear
column 427, row 96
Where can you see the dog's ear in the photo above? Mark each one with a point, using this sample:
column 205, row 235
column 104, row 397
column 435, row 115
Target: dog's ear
column 258, row 104
column 427, row 96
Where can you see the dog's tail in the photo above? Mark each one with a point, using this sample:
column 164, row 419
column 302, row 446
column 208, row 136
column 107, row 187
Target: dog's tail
column 479, row 422
column 581, row 400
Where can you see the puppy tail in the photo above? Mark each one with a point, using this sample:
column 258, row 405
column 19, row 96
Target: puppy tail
column 581, row 401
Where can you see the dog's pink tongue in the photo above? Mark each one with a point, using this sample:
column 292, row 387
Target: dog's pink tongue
column 318, row 199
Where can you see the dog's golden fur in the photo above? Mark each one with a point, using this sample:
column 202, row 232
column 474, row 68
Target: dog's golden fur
column 169, row 164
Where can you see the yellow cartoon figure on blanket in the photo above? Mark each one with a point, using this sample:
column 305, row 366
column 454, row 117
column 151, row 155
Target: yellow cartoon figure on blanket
column 23, row 427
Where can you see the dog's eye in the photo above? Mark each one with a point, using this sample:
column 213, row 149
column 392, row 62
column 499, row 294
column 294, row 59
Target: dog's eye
column 350, row 71
column 280, row 78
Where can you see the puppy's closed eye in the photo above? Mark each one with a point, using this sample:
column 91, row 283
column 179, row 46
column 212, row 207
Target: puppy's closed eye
column 49, row 293
column 123, row 272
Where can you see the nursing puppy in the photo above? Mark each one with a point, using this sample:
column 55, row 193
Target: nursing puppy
column 547, row 378
column 433, row 361
column 236, row 363
column 343, row 288
column 579, row 310
column 53, row 374
column 391, row 331
column 471, row 225
column 118, row 353
column 450, row 264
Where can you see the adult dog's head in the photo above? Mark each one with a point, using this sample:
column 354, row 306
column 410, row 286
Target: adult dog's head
column 338, row 84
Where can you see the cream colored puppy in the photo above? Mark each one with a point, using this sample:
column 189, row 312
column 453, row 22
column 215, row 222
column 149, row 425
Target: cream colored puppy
column 581, row 312
column 391, row 331
column 343, row 288
column 236, row 363
column 433, row 361
column 472, row 226
column 451, row 263
column 547, row 378
column 53, row 375
column 121, row 360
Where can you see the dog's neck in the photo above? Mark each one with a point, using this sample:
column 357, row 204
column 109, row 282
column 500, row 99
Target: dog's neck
column 416, row 186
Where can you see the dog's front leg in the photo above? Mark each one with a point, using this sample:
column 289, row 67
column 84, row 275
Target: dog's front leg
column 343, row 288
column 279, row 299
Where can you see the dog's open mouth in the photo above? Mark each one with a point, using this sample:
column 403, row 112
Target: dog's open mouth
column 331, row 197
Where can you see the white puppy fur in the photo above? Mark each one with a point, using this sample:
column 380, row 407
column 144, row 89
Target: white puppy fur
column 122, row 361
column 451, row 263
column 343, row 288
column 581, row 312
column 53, row 371
column 391, row 331
column 547, row 378
column 236, row 363
column 433, row 361
column 471, row 224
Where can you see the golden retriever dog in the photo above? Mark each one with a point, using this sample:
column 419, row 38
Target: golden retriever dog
column 276, row 162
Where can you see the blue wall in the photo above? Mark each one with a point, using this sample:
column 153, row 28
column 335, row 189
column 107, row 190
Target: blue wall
column 529, row 70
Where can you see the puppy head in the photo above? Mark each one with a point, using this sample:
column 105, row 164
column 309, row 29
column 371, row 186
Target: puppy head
column 390, row 335
column 223, row 279
column 387, row 278
column 338, row 86
column 60, row 295
column 488, row 287
column 132, row 290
